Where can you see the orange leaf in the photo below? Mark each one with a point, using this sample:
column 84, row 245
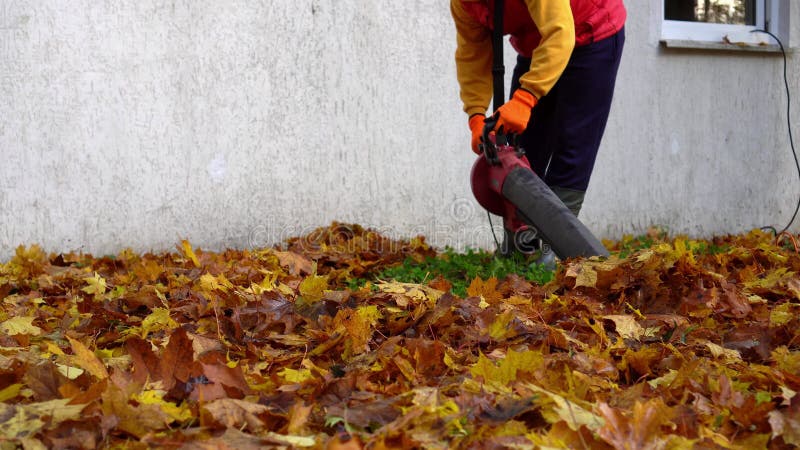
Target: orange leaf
column 189, row 252
column 486, row 289
column 87, row 360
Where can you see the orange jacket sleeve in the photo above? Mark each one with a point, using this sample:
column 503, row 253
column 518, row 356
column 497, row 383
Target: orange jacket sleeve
column 473, row 60
column 553, row 18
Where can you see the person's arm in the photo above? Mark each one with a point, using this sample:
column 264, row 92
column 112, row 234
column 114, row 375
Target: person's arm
column 554, row 20
column 473, row 60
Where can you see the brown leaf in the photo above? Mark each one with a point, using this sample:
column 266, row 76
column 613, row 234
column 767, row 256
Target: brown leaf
column 344, row 441
column 176, row 362
column 202, row 345
column 295, row 263
column 146, row 364
column 734, row 303
column 234, row 413
column 232, row 439
column 231, row 377
column 136, row 420
column 44, row 380
column 298, row 418
column 786, row 425
column 640, row 430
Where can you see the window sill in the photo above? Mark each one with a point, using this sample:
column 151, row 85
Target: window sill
column 733, row 47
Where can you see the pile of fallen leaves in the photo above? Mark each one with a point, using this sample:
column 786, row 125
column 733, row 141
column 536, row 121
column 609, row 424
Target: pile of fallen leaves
column 682, row 344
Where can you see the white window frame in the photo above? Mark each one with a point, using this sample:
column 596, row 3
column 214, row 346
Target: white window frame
column 716, row 33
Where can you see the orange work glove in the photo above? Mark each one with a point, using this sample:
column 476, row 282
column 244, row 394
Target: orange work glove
column 513, row 117
column 476, row 125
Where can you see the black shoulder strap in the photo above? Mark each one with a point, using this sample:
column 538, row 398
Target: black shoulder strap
column 498, row 69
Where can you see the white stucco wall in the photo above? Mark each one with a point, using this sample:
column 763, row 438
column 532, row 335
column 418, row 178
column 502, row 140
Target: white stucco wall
column 241, row 123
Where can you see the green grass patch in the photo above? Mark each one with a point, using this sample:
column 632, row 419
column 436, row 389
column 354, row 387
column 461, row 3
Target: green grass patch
column 461, row 268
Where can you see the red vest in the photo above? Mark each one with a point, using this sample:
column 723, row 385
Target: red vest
column 594, row 20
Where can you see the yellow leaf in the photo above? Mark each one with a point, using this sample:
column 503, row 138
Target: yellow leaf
column 777, row 277
column 449, row 362
column 727, row 353
column 86, row 359
column 359, row 325
column 583, row 274
column 570, row 412
column 137, row 420
column 10, row 392
column 313, row 287
column 297, row 441
column 209, row 283
column 156, row 397
column 158, row 320
column 267, row 284
column 68, row 371
column 664, row 380
column 506, row 370
column 635, row 311
column 96, row 286
column 392, row 288
column 786, row 360
column 295, row 376
column 20, row 325
column 370, row 314
column 285, row 290
column 405, row 368
column 26, row 420
column 626, row 326
column 308, row 364
column 500, row 329
column 787, row 394
column 682, row 249
column 781, row 315
column 189, row 252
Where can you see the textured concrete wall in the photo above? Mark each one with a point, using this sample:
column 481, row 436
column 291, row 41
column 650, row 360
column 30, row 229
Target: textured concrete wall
column 698, row 140
column 240, row 123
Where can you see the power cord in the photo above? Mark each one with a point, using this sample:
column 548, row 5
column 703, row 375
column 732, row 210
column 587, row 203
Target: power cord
column 789, row 126
column 491, row 227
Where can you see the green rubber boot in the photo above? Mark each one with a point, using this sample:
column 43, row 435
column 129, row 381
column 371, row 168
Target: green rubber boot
column 527, row 244
column 572, row 198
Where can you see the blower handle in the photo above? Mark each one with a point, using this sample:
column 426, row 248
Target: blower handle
column 493, row 141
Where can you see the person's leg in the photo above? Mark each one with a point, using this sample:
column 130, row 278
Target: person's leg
column 563, row 137
column 525, row 241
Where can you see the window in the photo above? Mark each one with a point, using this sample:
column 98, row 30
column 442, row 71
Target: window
column 720, row 21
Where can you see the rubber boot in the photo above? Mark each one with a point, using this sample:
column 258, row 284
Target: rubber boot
column 572, row 198
column 526, row 243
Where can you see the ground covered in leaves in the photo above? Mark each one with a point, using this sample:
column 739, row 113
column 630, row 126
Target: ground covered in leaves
column 669, row 343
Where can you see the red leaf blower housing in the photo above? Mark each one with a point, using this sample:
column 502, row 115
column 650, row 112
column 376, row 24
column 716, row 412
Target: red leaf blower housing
column 504, row 184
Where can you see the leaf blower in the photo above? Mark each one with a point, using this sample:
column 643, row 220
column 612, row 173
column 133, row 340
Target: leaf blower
column 504, row 184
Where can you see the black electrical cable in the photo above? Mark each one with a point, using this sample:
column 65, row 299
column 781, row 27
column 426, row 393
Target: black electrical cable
column 789, row 126
column 491, row 227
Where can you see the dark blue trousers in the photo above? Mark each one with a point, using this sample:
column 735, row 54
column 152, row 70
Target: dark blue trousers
column 567, row 124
